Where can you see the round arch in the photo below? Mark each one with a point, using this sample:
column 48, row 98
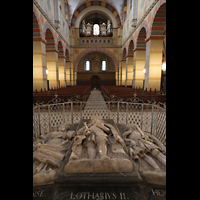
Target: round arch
column 60, row 46
column 124, row 54
column 100, row 11
column 36, row 24
column 130, row 48
column 51, row 35
column 158, row 21
column 67, row 57
column 141, row 34
column 107, row 52
column 99, row 5
column 60, row 50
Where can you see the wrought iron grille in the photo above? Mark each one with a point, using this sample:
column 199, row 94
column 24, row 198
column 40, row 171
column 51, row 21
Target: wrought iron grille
column 150, row 118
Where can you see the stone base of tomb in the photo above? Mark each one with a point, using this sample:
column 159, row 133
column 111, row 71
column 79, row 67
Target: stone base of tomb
column 139, row 191
column 99, row 166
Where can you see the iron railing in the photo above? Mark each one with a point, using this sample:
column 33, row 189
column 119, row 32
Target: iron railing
column 150, row 117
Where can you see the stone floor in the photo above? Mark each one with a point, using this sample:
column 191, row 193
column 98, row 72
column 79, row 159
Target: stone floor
column 95, row 100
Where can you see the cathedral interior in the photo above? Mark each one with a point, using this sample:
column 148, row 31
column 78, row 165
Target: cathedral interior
column 99, row 87
column 120, row 43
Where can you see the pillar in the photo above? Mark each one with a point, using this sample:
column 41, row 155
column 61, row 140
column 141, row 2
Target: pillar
column 117, row 77
column 52, row 66
column 154, row 45
column 138, row 66
column 123, row 66
column 120, row 73
column 74, row 76
column 129, row 70
column 39, row 65
column 68, row 71
column 56, row 14
column 62, row 71
column 134, row 10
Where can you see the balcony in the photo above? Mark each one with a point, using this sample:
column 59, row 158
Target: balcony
column 95, row 40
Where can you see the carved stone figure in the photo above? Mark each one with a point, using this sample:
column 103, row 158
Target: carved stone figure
column 143, row 147
column 98, row 147
column 48, row 152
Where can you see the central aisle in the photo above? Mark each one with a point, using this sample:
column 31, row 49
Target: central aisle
column 95, row 101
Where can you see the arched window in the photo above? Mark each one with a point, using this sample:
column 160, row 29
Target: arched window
column 103, row 65
column 87, row 65
column 96, row 29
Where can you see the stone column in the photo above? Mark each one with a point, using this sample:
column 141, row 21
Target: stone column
column 68, row 68
column 56, row 14
column 120, row 73
column 74, row 76
column 134, row 10
column 123, row 66
column 117, row 77
column 52, row 66
column 62, row 70
column 39, row 64
column 154, row 45
column 129, row 70
column 138, row 66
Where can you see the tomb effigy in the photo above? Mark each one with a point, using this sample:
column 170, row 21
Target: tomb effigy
column 98, row 147
column 98, row 159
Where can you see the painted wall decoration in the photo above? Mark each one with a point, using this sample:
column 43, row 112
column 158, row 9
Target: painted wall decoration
column 98, row 49
column 147, row 23
column 143, row 5
column 96, row 41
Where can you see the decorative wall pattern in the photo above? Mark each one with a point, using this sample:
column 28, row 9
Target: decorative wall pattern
column 148, row 22
column 106, row 51
column 42, row 28
column 96, row 41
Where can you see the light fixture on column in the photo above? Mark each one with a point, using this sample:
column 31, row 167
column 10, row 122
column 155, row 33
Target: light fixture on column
column 144, row 70
column 47, row 71
column 164, row 66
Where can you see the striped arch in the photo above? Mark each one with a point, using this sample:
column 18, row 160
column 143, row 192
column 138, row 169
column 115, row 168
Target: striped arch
column 60, row 47
column 130, row 48
column 48, row 26
column 158, row 20
column 49, row 37
column 140, row 35
column 95, row 3
column 37, row 30
column 107, row 52
column 67, row 55
column 124, row 54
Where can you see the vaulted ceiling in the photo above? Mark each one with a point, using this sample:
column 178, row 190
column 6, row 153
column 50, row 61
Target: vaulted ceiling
column 75, row 3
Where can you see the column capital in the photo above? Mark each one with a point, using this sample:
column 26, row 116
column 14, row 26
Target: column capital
column 52, row 50
column 139, row 49
column 155, row 37
column 62, row 56
column 40, row 39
